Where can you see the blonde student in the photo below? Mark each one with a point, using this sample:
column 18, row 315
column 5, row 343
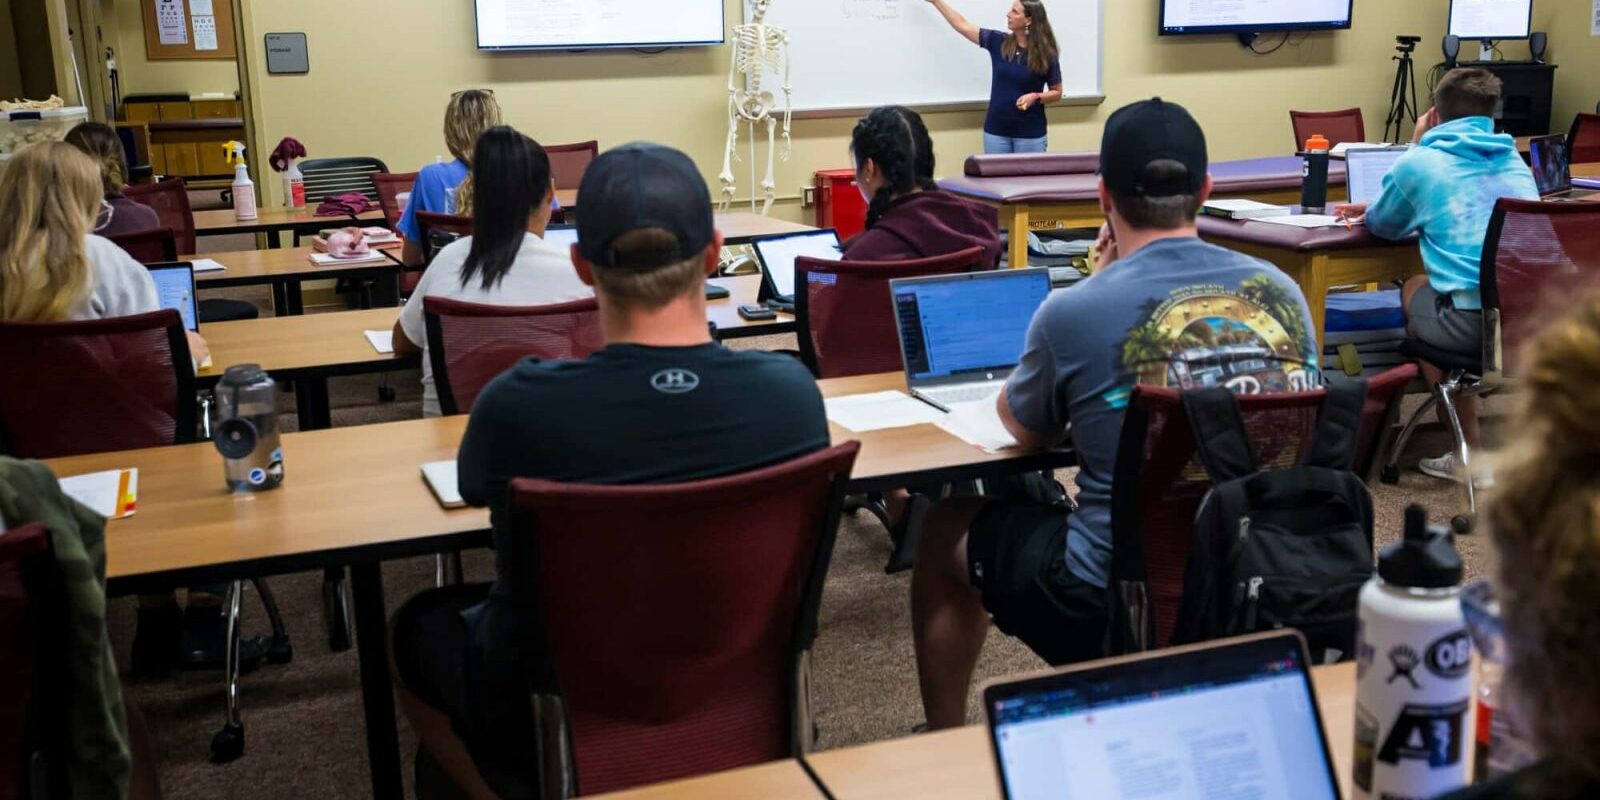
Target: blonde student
column 446, row 187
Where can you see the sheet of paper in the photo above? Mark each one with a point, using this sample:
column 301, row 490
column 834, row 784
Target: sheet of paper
column 206, row 265
column 978, row 424
column 201, row 8
column 112, row 494
column 879, row 410
column 327, row 260
column 172, row 22
column 441, row 478
column 205, row 33
column 382, row 341
column 1305, row 221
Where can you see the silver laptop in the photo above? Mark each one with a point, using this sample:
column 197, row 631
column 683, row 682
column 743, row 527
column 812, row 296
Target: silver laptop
column 175, row 288
column 1365, row 168
column 961, row 335
column 1233, row 718
column 776, row 256
column 1552, row 168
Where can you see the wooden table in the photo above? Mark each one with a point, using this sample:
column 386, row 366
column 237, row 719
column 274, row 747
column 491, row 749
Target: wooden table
column 274, row 221
column 1586, row 170
column 958, row 764
column 284, row 269
column 355, row 497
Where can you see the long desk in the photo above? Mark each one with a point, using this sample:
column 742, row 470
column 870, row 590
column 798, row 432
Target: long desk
column 1072, row 199
column 284, row 269
column 275, row 221
column 355, row 497
column 954, row 765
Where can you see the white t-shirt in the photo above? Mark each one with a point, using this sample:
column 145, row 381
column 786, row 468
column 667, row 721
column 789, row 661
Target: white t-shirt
column 541, row 275
column 119, row 285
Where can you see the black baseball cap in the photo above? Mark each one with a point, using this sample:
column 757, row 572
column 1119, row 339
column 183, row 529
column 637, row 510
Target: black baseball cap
column 642, row 185
column 1149, row 131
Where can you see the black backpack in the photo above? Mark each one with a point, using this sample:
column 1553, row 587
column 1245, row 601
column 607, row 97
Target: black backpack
column 1278, row 548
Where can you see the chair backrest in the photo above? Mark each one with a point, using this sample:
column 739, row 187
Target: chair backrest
column 170, row 199
column 846, row 316
column 1159, row 482
column 470, row 343
column 437, row 230
column 568, row 161
column 96, row 386
column 390, row 186
column 1583, row 141
column 1338, row 126
column 326, row 176
column 1535, row 256
column 32, row 628
column 678, row 615
column 153, row 246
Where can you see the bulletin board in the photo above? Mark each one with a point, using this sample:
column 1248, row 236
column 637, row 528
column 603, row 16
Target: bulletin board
column 188, row 29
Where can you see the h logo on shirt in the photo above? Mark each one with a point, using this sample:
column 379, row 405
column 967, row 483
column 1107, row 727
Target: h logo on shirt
column 674, row 381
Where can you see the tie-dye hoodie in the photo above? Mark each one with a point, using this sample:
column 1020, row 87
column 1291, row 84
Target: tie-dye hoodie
column 1445, row 189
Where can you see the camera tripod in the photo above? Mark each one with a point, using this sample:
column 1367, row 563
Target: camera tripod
column 1403, row 100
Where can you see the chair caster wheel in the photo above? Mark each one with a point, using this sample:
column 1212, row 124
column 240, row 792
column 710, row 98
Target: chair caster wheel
column 386, row 394
column 1462, row 524
column 280, row 650
column 227, row 744
column 1391, row 475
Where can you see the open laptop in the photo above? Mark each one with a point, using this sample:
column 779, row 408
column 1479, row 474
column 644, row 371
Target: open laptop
column 1365, row 168
column 1552, row 168
column 776, row 255
column 961, row 335
column 175, row 287
column 565, row 236
column 1239, row 714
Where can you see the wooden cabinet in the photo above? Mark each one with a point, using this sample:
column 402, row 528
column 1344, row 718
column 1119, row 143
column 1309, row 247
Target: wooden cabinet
column 191, row 152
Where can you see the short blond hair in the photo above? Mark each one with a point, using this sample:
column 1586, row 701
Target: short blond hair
column 648, row 288
column 50, row 194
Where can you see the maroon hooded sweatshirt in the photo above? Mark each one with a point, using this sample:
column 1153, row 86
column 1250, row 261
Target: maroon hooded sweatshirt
column 927, row 224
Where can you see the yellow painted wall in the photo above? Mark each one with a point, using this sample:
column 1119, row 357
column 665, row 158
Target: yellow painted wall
column 142, row 76
column 384, row 94
column 1578, row 53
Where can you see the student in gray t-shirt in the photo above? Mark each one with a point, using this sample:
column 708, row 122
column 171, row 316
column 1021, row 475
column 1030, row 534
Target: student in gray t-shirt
column 1163, row 308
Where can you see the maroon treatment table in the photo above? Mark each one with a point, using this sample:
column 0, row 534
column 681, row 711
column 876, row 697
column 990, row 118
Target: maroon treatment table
column 1060, row 190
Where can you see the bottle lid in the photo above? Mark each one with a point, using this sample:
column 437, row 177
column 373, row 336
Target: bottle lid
column 243, row 374
column 1425, row 558
column 1318, row 142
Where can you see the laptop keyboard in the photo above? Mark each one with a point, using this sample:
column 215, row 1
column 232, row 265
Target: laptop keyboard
column 963, row 394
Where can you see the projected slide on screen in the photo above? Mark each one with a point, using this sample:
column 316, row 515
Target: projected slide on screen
column 580, row 24
column 1253, row 16
column 1491, row 19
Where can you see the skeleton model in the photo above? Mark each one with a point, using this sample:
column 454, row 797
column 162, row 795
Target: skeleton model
column 757, row 48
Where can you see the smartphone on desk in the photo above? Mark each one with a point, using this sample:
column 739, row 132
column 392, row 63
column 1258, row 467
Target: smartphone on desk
column 757, row 313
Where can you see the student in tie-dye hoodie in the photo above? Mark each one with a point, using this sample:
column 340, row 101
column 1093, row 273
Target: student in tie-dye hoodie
column 1445, row 189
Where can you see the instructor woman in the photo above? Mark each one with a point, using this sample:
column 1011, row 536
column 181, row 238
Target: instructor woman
column 1025, row 59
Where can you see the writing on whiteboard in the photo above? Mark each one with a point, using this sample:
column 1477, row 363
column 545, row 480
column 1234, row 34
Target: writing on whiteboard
column 872, row 9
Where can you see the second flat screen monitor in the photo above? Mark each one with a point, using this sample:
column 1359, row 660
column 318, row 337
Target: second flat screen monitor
column 1252, row 16
column 1491, row 19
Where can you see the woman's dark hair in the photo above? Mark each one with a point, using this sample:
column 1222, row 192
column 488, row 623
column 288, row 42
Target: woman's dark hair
column 896, row 139
column 513, row 179
column 1042, row 48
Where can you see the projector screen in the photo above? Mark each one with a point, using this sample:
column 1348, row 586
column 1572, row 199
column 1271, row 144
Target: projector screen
column 1252, row 16
column 1491, row 19
column 580, row 24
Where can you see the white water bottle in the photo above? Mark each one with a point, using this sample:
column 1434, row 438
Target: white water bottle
column 244, row 189
column 1414, row 668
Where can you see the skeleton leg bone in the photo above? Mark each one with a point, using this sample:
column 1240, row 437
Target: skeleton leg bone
column 769, row 187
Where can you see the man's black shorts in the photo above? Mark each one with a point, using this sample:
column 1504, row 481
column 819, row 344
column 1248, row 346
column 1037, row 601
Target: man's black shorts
column 1016, row 557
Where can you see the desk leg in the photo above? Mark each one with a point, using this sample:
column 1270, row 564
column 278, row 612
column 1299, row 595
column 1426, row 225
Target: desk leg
column 1314, row 283
column 1018, row 231
column 312, row 404
column 280, row 299
column 377, row 695
column 294, row 298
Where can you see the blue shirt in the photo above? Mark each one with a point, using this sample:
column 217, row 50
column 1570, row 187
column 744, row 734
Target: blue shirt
column 1178, row 312
column 1446, row 188
column 434, row 191
column 1012, row 80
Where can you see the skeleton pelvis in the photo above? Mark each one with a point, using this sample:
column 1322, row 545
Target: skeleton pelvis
column 755, row 106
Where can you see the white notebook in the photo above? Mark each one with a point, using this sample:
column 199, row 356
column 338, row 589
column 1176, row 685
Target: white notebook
column 206, row 265
column 381, row 341
column 441, row 478
column 327, row 260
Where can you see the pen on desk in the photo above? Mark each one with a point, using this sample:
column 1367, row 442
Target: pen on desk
column 1347, row 224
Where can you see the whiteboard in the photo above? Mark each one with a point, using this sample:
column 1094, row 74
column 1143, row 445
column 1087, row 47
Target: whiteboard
column 578, row 24
column 851, row 55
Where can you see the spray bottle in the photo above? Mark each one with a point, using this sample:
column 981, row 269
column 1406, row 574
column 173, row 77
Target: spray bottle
column 244, row 189
column 294, row 186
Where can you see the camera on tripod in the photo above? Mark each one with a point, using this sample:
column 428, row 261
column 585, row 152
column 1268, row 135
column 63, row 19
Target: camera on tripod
column 1407, row 43
column 1403, row 100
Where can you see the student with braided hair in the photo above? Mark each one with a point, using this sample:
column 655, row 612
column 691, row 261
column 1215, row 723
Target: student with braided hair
column 909, row 217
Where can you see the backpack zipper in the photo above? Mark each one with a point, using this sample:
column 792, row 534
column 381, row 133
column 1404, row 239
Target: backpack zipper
column 1252, row 602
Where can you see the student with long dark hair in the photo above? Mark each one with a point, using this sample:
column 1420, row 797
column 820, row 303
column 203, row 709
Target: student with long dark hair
column 1025, row 59
column 506, row 260
column 909, row 217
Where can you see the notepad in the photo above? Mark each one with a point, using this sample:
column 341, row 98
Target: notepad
column 112, row 494
column 441, row 478
column 327, row 260
column 1339, row 150
column 1243, row 209
column 879, row 411
column 1306, row 221
column 978, row 424
column 382, row 341
column 207, row 265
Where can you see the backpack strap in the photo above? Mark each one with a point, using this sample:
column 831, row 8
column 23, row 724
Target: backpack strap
column 1220, row 440
column 1339, row 427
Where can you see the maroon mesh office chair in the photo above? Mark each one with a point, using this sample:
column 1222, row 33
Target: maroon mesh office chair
column 149, row 247
column 845, row 315
column 334, row 176
column 1337, row 126
column 438, row 230
column 1583, row 141
column 1159, row 482
column 469, row 343
column 568, row 162
column 390, row 187
column 170, row 199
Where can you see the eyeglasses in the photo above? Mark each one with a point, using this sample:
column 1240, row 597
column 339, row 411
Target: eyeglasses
column 103, row 219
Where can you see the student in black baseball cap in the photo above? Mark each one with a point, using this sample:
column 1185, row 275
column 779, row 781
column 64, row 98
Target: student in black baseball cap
column 660, row 403
column 1163, row 308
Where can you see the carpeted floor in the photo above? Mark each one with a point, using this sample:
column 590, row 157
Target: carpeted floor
column 303, row 721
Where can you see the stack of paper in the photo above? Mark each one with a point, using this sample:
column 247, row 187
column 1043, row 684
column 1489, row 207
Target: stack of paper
column 382, row 341
column 1242, row 209
column 112, row 494
column 327, row 260
column 1307, row 221
column 1339, row 150
column 879, row 410
column 441, row 478
column 978, row 424
column 206, row 265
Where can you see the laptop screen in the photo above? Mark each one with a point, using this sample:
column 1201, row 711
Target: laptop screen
column 175, row 288
column 1237, row 719
column 1552, row 164
column 972, row 323
column 562, row 236
column 777, row 255
column 1365, row 168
